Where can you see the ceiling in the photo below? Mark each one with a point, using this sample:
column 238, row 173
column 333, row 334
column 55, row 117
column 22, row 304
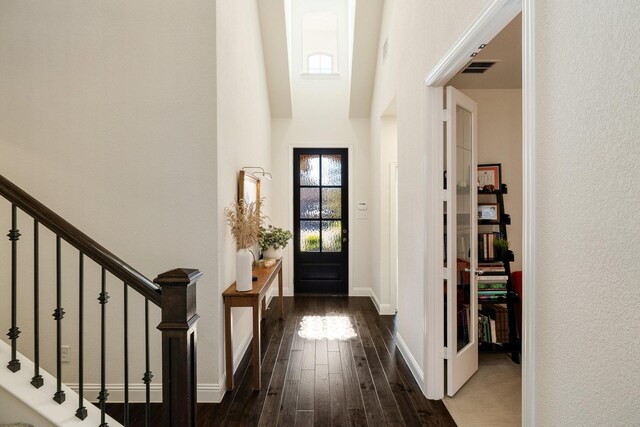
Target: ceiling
column 366, row 31
column 506, row 48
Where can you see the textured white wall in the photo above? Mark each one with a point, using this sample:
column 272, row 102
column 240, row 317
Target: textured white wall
column 108, row 116
column 588, row 233
column 244, row 132
column 500, row 141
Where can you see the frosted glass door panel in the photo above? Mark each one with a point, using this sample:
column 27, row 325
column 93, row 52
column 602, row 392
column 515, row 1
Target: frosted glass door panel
column 331, row 170
column 309, row 170
column 310, row 203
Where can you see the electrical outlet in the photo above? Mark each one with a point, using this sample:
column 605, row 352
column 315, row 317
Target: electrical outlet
column 65, row 352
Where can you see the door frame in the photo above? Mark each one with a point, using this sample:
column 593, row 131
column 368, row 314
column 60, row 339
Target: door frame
column 490, row 22
column 351, row 291
column 393, row 237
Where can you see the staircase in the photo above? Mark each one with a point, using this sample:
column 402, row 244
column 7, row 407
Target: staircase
column 30, row 394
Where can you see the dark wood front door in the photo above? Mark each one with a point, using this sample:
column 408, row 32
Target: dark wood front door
column 321, row 225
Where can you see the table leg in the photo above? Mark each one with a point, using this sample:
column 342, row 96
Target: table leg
column 264, row 307
column 228, row 346
column 256, row 346
column 280, row 294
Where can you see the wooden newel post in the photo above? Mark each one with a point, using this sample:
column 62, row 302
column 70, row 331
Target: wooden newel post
column 178, row 326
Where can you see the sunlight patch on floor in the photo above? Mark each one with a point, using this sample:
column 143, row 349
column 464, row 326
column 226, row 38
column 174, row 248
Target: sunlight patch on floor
column 326, row 327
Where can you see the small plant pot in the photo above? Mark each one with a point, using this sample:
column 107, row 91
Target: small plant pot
column 273, row 253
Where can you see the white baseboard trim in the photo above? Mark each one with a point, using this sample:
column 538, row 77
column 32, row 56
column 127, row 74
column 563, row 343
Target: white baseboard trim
column 360, row 292
column 207, row 393
column 383, row 309
column 411, row 362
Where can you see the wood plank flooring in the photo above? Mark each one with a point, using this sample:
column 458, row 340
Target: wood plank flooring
column 314, row 381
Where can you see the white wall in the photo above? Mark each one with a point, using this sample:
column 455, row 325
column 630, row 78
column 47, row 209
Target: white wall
column 244, row 132
column 500, row 141
column 420, row 33
column 587, row 229
column 320, row 119
column 384, row 149
column 108, row 116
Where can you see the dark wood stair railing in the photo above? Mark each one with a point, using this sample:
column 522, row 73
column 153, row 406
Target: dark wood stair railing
column 174, row 292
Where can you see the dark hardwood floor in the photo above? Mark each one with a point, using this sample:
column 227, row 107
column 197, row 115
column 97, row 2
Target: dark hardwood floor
column 361, row 381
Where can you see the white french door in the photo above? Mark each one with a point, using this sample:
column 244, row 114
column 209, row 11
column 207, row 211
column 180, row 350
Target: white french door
column 461, row 240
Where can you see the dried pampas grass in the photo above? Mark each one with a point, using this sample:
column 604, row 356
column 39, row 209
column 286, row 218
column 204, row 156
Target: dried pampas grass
column 244, row 220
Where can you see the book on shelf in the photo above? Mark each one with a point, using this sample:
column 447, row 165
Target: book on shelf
column 499, row 313
column 482, row 286
column 493, row 278
column 491, row 268
column 485, row 245
column 491, row 298
column 483, row 292
column 492, row 326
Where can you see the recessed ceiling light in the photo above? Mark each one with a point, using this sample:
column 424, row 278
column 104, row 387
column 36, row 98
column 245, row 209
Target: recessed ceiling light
column 482, row 46
column 474, row 54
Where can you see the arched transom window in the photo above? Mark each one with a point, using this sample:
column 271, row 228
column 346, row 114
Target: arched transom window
column 320, row 42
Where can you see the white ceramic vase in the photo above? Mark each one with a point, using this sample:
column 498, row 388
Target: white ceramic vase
column 244, row 261
column 273, row 253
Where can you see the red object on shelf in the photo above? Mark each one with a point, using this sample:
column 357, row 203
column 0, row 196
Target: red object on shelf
column 516, row 280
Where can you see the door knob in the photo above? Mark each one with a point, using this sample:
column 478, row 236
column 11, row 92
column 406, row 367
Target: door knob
column 477, row 272
column 345, row 240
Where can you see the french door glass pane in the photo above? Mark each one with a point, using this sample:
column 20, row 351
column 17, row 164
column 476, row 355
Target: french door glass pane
column 332, row 169
column 464, row 188
column 331, row 236
column 310, row 170
column 310, row 203
column 310, row 236
column 331, row 202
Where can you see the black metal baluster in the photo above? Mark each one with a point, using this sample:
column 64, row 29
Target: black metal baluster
column 102, row 396
column 37, row 380
column 14, row 331
column 148, row 375
column 81, row 412
column 58, row 315
column 126, row 355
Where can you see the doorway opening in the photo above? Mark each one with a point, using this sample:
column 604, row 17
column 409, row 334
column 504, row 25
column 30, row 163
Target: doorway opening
column 479, row 35
column 493, row 80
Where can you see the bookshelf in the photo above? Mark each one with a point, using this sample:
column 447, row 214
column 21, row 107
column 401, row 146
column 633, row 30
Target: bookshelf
column 497, row 327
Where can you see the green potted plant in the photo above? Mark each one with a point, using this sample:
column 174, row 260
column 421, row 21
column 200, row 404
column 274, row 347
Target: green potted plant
column 500, row 248
column 273, row 240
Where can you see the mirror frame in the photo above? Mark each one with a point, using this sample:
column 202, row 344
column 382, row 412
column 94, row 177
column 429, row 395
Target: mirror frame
column 245, row 183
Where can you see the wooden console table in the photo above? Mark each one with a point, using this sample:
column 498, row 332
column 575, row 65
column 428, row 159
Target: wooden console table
column 253, row 298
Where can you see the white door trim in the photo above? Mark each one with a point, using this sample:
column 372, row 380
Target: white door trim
column 393, row 237
column 490, row 22
column 528, row 211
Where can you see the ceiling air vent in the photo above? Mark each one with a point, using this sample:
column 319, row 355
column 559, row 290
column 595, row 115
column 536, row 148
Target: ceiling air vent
column 478, row 67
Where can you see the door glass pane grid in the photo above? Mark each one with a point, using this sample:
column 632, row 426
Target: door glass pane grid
column 320, row 197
